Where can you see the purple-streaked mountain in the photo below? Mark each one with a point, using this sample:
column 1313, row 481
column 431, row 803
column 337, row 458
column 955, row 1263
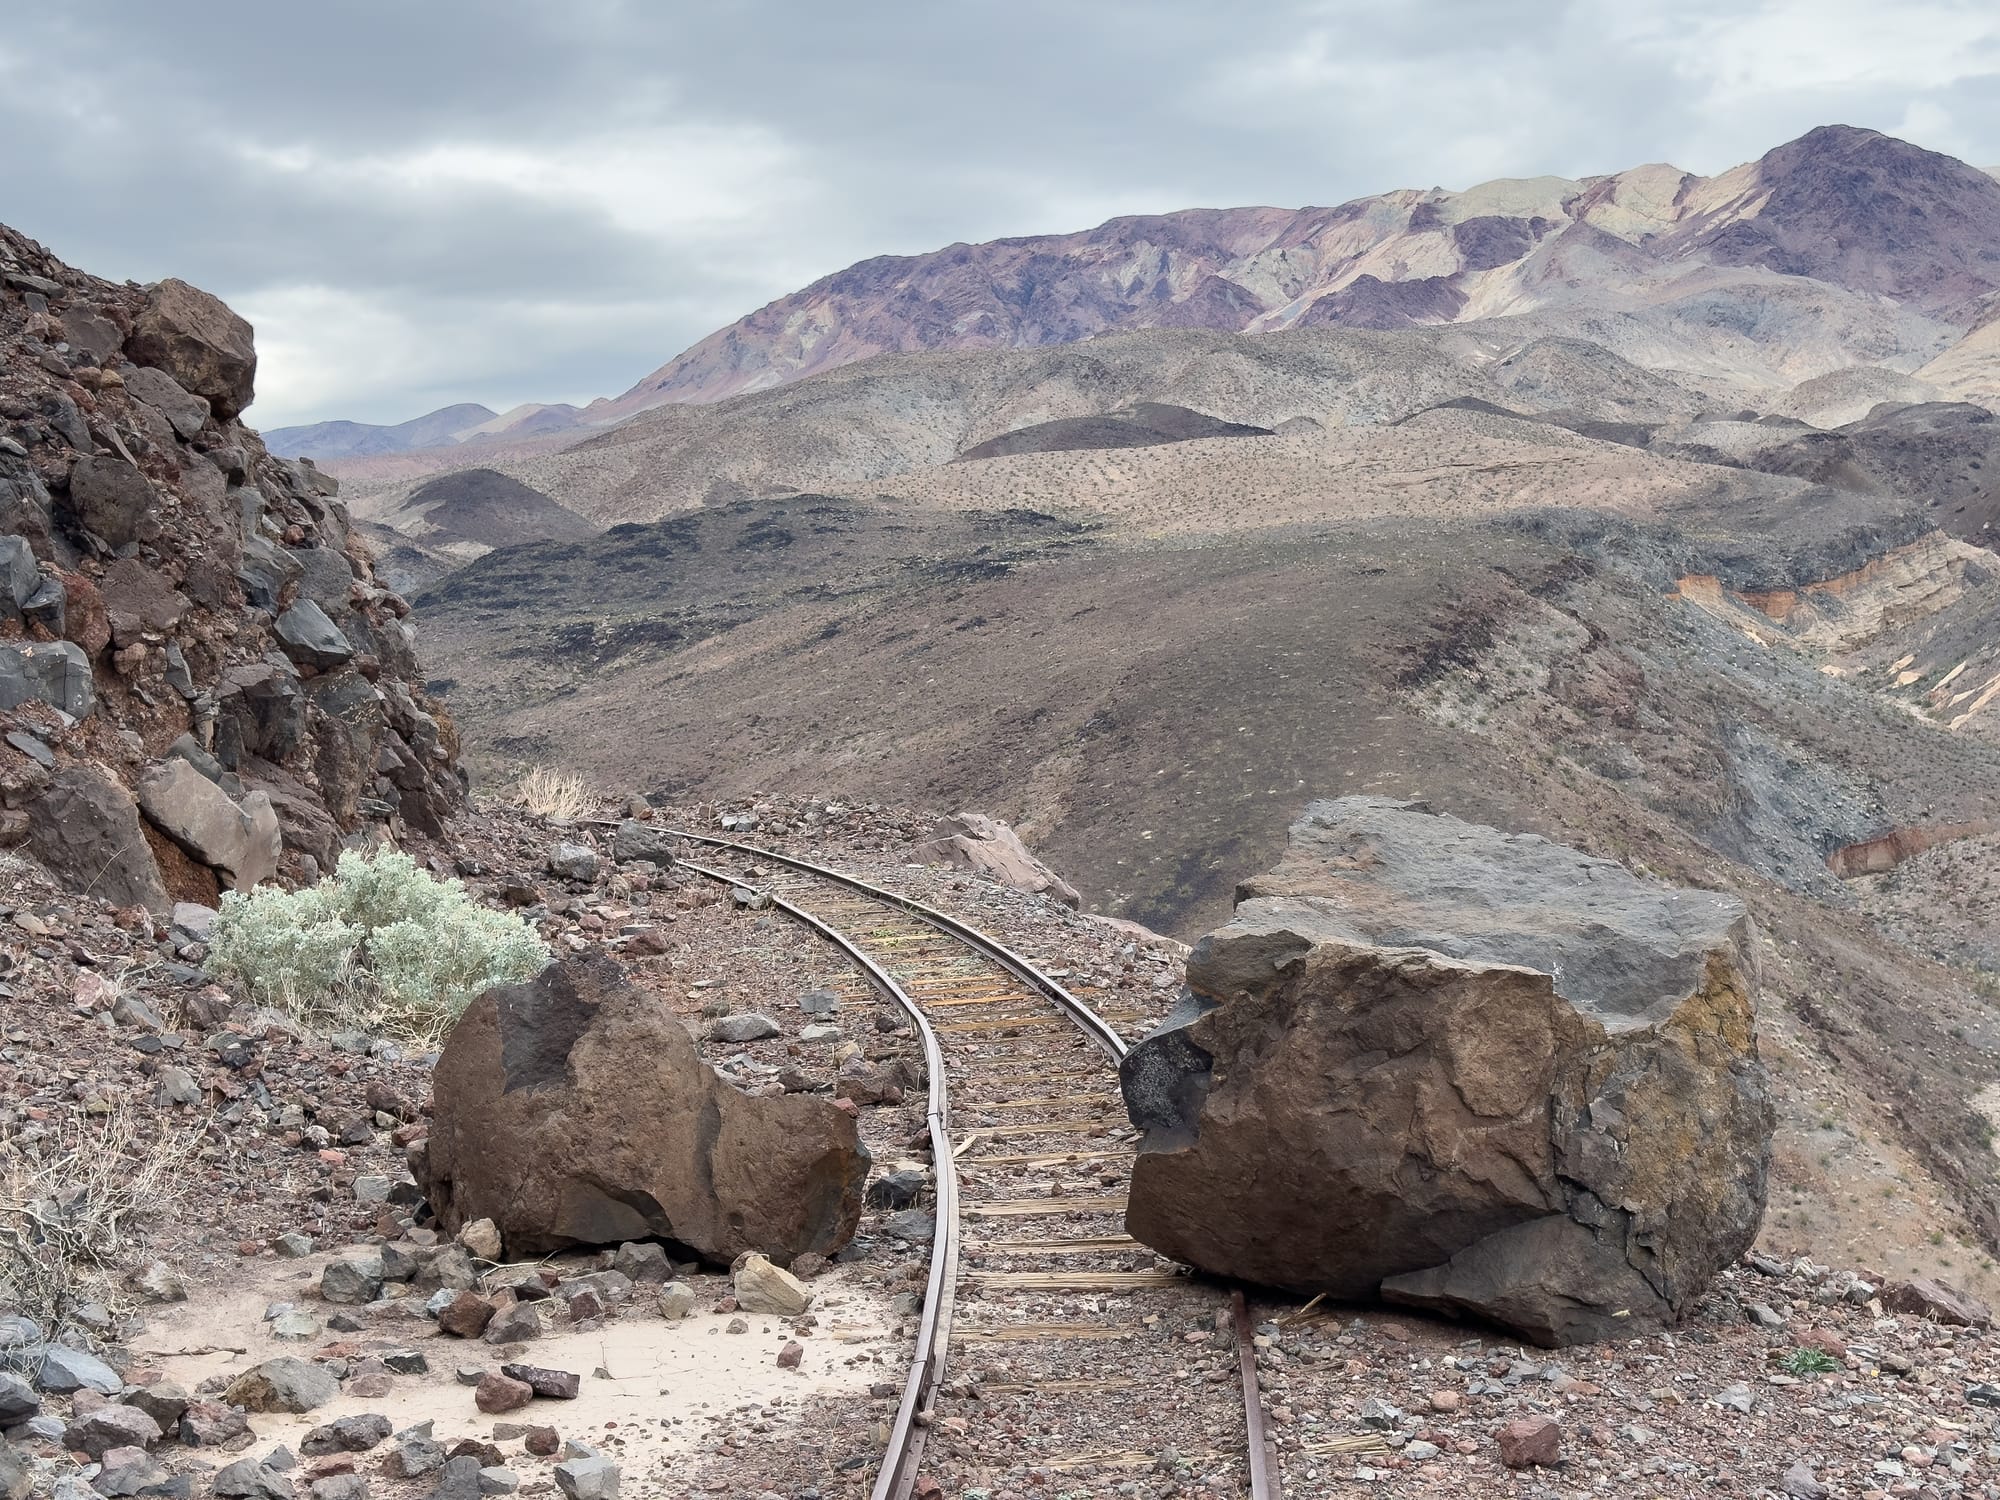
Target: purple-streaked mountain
column 1845, row 247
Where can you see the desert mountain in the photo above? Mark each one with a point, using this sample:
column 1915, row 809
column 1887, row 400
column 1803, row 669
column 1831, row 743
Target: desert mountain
column 1844, row 247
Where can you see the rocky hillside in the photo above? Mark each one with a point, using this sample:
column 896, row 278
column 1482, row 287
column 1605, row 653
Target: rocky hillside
column 203, row 681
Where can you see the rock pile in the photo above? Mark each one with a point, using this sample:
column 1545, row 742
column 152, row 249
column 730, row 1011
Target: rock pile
column 201, row 680
column 1472, row 1072
column 574, row 1110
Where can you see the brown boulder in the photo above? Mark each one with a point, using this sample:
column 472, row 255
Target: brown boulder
column 1921, row 1297
column 85, row 829
column 195, row 338
column 1461, row 1070
column 973, row 841
column 573, row 1110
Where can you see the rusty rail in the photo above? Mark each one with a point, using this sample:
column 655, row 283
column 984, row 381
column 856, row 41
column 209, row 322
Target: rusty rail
column 896, row 1480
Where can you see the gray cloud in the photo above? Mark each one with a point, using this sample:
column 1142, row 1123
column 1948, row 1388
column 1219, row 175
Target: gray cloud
column 505, row 201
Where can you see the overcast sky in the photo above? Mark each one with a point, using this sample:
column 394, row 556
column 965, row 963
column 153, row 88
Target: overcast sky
column 442, row 200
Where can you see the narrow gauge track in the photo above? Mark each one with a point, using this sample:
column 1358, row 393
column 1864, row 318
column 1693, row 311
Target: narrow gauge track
column 1031, row 1269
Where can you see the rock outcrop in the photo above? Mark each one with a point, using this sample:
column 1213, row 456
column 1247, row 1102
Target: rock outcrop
column 1469, row 1071
column 973, row 841
column 177, row 606
column 573, row 1110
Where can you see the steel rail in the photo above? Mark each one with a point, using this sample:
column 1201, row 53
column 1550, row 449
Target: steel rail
column 1091, row 1023
column 897, row 1477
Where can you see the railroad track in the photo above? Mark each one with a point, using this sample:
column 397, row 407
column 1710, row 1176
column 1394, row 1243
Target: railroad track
column 1032, row 1279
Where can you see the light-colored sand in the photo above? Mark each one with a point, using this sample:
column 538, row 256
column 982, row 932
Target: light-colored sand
column 665, row 1391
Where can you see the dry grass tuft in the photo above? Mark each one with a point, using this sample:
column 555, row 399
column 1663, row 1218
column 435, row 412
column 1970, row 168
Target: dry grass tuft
column 71, row 1199
column 549, row 793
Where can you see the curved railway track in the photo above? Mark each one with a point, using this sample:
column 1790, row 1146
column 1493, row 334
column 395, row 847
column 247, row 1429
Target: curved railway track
column 1031, row 1272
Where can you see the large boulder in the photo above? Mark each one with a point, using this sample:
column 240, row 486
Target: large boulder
column 973, row 841
column 241, row 840
column 196, row 339
column 53, row 672
column 573, row 1110
column 85, row 829
column 1463, row 1070
column 112, row 500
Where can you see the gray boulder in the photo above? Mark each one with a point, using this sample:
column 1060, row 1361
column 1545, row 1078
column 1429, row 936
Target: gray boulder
column 283, row 1384
column 266, row 571
column 196, row 339
column 247, row 1479
column 185, row 412
column 17, row 1481
column 574, row 862
column 85, row 829
column 53, row 672
column 572, row 1109
column 634, row 840
column 114, row 1426
column 590, row 1478
column 20, row 574
column 240, row 839
column 353, row 1278
column 749, row 1027
column 311, row 639
column 112, row 500
column 18, row 1400
column 1462, row 1070
column 62, row 1371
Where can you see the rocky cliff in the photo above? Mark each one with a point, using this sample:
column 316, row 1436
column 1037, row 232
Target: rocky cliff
column 201, row 680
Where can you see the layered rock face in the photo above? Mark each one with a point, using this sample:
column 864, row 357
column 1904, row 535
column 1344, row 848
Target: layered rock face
column 201, row 681
column 574, row 1110
column 1481, row 1073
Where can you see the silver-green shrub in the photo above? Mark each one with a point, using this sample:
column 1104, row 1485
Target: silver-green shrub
column 379, row 945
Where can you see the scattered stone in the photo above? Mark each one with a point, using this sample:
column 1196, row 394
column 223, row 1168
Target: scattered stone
column 212, row 1424
column 638, row 841
column 588, row 1479
column 643, row 1261
column 498, row 1481
column 749, row 1027
column 898, row 1189
column 819, row 1002
column 309, row 638
column 1801, row 1484
column 283, row 1384
column 62, row 1370
column 762, row 1287
column 128, row 1471
column 406, row 1361
column 867, row 1082
column 1527, row 1442
column 556, row 1385
column 676, row 1301
column 164, row 1401
column 542, row 1441
column 598, row 1075
column 913, row 1226
column 791, row 1354
column 499, row 1392
column 1923, row 1298
column 251, row 1480
column 18, row 1400
column 459, row 1481
column 353, row 1278
column 414, row 1454
column 355, row 1434
column 466, row 1315
column 338, row 1487
column 111, row 1426
column 574, row 862
column 481, row 1240
column 515, row 1325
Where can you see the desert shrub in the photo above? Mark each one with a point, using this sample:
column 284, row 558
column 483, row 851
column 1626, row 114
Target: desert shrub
column 379, row 945
column 1807, row 1362
column 71, row 1196
column 549, row 793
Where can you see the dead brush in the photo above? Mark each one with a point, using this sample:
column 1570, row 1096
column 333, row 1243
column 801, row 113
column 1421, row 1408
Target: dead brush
column 72, row 1200
column 549, row 793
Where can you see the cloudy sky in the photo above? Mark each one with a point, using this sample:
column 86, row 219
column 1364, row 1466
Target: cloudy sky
column 420, row 203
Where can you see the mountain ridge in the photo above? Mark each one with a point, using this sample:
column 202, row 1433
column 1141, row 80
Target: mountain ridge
column 1892, row 243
